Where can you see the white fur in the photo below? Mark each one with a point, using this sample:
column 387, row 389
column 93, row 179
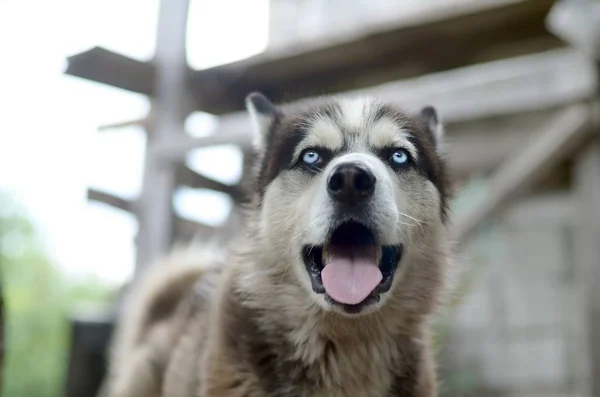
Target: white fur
column 385, row 133
column 354, row 111
column 324, row 133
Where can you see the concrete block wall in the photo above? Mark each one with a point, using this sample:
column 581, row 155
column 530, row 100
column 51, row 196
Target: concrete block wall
column 518, row 327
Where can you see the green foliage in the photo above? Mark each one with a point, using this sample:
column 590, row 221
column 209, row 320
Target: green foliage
column 37, row 301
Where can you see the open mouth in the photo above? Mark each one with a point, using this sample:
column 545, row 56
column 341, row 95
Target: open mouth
column 352, row 269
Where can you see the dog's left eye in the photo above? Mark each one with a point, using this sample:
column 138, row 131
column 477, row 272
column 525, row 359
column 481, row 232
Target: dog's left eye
column 400, row 157
column 311, row 157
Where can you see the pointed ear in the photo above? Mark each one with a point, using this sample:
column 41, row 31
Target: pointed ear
column 263, row 115
column 434, row 126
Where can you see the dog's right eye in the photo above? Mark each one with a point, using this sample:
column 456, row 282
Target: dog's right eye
column 311, row 157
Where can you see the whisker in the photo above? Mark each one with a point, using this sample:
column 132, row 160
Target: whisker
column 300, row 232
column 407, row 224
column 413, row 218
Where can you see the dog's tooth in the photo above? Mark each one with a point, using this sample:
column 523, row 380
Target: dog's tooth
column 324, row 256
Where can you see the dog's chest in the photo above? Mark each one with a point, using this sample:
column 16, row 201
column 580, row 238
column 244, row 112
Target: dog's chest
column 324, row 367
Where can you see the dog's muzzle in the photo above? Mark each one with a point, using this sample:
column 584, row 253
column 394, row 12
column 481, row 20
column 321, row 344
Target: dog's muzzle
column 351, row 269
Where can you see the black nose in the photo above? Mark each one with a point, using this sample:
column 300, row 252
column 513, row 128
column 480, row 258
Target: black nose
column 351, row 183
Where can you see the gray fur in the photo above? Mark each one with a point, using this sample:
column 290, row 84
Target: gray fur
column 255, row 327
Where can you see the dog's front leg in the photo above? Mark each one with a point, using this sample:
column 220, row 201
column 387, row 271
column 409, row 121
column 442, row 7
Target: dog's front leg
column 223, row 378
column 416, row 376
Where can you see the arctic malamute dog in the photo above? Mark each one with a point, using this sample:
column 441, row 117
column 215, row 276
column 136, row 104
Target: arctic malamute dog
column 334, row 281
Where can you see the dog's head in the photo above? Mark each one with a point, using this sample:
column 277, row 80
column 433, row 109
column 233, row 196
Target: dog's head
column 349, row 191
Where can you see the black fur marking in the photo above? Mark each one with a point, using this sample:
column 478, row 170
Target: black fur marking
column 430, row 164
column 283, row 139
column 386, row 112
column 429, row 114
column 268, row 354
column 406, row 383
column 285, row 134
column 262, row 104
column 427, row 121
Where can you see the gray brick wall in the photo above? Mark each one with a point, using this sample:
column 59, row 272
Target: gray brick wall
column 519, row 328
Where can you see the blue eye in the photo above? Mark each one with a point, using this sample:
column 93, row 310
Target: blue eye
column 310, row 157
column 400, row 157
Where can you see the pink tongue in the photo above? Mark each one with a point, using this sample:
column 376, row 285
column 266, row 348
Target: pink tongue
column 350, row 276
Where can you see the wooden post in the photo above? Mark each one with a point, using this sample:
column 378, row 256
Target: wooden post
column 169, row 108
column 563, row 136
column 587, row 179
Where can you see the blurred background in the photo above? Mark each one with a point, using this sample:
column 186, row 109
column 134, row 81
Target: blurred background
column 122, row 134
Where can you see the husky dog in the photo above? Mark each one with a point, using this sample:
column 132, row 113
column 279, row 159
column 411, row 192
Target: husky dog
column 332, row 286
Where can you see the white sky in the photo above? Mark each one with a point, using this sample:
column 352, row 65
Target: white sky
column 50, row 151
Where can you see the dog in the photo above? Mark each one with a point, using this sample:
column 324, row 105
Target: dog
column 333, row 283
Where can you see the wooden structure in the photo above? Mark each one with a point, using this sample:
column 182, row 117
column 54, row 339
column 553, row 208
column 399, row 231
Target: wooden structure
column 432, row 47
column 499, row 77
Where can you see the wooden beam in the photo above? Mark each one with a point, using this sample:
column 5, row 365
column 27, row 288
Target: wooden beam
column 234, row 128
column 144, row 122
column 562, row 137
column 516, row 86
column 429, row 40
column 187, row 230
column 107, row 67
column 111, row 200
column 576, row 22
column 587, row 191
column 510, row 86
column 479, row 146
column 425, row 41
column 543, row 209
column 183, row 227
column 482, row 146
column 169, row 108
column 191, row 178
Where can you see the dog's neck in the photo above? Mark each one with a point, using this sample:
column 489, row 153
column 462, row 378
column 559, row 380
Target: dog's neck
column 331, row 348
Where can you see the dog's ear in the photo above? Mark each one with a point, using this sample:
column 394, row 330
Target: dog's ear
column 263, row 115
column 434, row 126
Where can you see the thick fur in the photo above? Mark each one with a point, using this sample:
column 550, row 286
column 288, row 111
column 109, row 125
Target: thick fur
column 254, row 327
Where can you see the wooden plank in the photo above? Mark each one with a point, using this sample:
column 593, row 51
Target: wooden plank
column 169, row 108
column 587, row 194
column 185, row 228
column 434, row 40
column 516, row 86
column 144, row 122
column 479, row 146
column 576, row 22
column 510, row 86
column 563, row 135
column 234, row 128
column 413, row 44
column 107, row 67
column 111, row 200
column 551, row 209
column 191, row 178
